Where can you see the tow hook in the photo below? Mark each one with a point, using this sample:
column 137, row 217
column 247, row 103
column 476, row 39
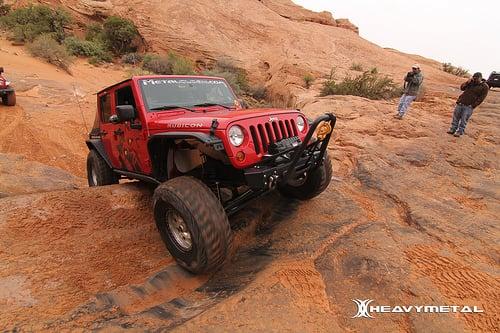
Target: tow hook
column 273, row 181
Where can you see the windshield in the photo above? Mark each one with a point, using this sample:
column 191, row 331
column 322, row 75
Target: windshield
column 168, row 93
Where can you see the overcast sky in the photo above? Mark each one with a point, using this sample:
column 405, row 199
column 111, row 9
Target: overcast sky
column 463, row 32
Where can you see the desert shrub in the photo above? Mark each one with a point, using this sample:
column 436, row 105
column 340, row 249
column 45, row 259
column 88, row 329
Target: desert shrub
column 236, row 77
column 156, row 64
column 356, row 67
column 258, row 92
column 169, row 64
column 94, row 32
column 87, row 48
column 332, row 74
column 369, row 84
column 47, row 48
column 133, row 58
column 30, row 22
column 231, row 78
column 136, row 71
column 308, row 80
column 280, row 98
column 458, row 71
column 180, row 65
column 4, row 9
column 119, row 33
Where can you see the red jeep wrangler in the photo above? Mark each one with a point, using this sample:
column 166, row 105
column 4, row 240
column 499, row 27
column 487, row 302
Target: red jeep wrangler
column 6, row 91
column 208, row 156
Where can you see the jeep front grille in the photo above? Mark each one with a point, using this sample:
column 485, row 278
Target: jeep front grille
column 265, row 134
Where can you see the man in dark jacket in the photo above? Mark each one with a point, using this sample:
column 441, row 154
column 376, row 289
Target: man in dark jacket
column 475, row 91
column 413, row 81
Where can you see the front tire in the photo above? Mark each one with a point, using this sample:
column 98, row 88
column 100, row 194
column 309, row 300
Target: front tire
column 9, row 99
column 316, row 182
column 192, row 224
column 98, row 171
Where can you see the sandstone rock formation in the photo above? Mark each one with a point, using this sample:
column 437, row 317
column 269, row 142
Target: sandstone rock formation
column 410, row 218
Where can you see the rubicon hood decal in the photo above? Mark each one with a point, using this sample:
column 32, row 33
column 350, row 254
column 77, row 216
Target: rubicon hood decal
column 185, row 125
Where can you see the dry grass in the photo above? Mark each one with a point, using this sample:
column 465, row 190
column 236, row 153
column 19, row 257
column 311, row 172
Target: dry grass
column 458, row 71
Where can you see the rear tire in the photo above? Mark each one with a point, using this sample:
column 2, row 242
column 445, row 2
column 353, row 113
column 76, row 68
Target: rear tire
column 98, row 171
column 192, row 224
column 9, row 99
column 316, row 182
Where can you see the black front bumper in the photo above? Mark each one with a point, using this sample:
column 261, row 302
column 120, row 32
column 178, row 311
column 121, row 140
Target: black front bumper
column 5, row 91
column 292, row 163
column 285, row 166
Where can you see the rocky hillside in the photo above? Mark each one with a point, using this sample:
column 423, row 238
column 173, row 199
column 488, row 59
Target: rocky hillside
column 275, row 41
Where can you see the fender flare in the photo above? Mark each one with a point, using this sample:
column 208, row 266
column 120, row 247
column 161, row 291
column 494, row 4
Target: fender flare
column 98, row 146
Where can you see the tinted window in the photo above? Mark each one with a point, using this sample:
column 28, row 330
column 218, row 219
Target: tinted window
column 124, row 96
column 105, row 107
column 185, row 92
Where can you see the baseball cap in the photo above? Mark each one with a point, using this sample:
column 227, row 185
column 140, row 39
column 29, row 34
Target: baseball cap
column 477, row 74
column 416, row 66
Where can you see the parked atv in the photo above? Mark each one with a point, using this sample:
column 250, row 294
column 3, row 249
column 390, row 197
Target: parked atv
column 208, row 157
column 6, row 91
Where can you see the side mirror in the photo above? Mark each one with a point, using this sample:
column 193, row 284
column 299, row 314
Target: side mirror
column 125, row 112
column 1, row 70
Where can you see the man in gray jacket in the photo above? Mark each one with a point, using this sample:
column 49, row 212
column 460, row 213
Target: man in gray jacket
column 413, row 81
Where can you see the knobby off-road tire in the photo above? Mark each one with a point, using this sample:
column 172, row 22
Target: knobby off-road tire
column 316, row 182
column 203, row 217
column 9, row 99
column 98, row 171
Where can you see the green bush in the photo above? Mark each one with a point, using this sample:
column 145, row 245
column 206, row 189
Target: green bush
column 369, row 84
column 87, row 48
column 132, row 58
column 458, row 71
column 119, row 33
column 47, row 48
column 308, row 80
column 94, row 32
column 30, row 22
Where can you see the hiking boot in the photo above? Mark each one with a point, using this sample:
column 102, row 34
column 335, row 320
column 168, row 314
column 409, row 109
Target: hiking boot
column 458, row 134
column 451, row 131
column 398, row 116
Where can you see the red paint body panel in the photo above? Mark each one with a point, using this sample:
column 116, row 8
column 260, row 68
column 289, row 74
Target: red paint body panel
column 3, row 81
column 128, row 151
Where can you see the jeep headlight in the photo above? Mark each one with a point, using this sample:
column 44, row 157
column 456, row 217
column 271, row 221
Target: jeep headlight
column 236, row 136
column 301, row 123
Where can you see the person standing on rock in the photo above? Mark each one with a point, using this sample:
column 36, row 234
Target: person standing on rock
column 475, row 91
column 413, row 81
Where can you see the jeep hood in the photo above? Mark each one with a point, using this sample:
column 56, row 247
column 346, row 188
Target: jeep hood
column 186, row 120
